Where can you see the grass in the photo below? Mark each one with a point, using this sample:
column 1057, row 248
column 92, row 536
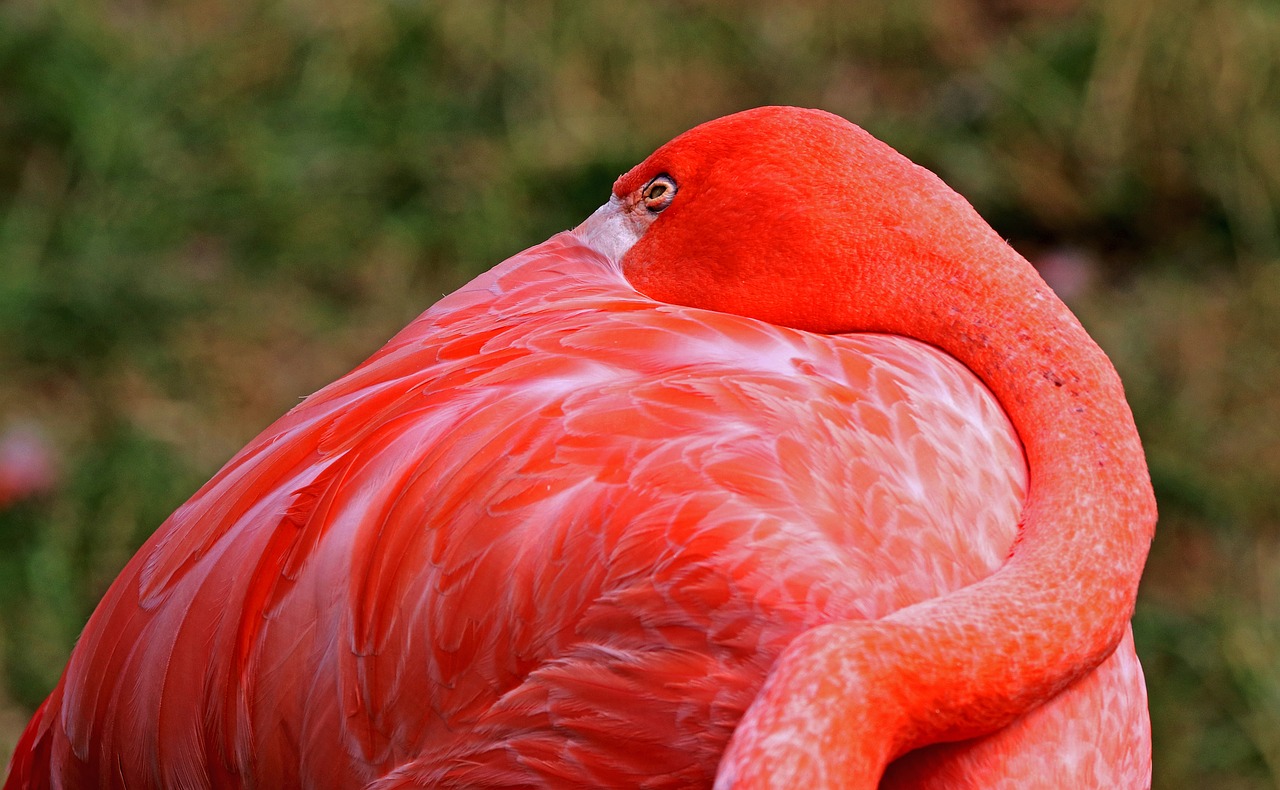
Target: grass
column 1199, row 358
column 209, row 211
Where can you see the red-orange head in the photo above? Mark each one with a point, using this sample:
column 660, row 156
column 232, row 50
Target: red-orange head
column 796, row 217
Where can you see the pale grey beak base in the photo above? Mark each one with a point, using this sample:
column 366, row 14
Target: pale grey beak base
column 614, row 229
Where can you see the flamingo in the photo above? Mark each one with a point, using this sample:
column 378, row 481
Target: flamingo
column 780, row 470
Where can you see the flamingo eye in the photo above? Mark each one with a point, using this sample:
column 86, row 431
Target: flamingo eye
column 659, row 193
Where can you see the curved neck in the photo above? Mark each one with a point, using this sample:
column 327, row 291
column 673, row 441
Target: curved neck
column 1054, row 611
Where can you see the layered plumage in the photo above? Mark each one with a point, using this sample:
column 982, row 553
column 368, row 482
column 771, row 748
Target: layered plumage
column 557, row 533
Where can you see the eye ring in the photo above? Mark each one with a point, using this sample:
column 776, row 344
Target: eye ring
column 659, row 192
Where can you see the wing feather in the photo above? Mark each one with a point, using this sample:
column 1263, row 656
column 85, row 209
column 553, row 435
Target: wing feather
column 552, row 532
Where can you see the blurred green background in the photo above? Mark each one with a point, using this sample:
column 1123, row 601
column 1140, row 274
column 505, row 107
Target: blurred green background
column 209, row 210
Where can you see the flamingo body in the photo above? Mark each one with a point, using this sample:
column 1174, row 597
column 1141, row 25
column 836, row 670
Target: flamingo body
column 555, row 534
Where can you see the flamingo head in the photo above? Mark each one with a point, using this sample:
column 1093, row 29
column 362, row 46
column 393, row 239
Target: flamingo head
column 799, row 218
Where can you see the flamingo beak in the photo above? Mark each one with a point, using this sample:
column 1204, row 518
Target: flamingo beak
column 614, row 228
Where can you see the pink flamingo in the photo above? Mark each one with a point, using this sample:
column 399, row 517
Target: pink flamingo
column 726, row 485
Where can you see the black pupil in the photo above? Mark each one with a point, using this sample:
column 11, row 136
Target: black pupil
column 657, row 190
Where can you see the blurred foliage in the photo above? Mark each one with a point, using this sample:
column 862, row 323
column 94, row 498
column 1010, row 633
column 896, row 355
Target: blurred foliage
column 208, row 210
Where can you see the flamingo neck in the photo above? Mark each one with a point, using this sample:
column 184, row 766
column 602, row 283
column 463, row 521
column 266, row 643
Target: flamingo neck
column 970, row 662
